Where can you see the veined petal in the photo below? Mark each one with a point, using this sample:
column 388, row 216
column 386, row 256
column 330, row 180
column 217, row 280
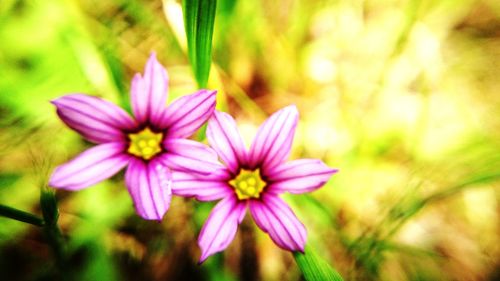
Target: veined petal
column 188, row 113
column 220, row 228
column 299, row 176
column 275, row 217
column 150, row 186
column 92, row 166
column 149, row 93
column 189, row 156
column 224, row 137
column 204, row 188
column 273, row 141
column 95, row 119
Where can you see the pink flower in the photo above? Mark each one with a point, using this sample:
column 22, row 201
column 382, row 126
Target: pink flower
column 150, row 144
column 253, row 179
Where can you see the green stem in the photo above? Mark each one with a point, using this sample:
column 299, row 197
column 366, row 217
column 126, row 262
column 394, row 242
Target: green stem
column 249, row 265
column 19, row 215
column 53, row 234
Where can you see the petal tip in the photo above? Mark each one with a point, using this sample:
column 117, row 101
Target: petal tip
column 56, row 184
column 153, row 66
column 202, row 259
column 55, row 180
column 136, row 77
column 152, row 60
column 60, row 100
column 292, row 108
column 53, row 183
column 301, row 249
column 153, row 217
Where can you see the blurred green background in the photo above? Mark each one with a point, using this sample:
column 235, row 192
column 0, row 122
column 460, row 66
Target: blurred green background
column 401, row 96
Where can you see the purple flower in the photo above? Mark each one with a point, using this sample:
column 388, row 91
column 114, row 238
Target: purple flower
column 150, row 144
column 253, row 178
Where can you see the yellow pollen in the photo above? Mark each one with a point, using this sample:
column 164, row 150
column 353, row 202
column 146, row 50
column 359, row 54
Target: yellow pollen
column 243, row 185
column 248, row 184
column 145, row 144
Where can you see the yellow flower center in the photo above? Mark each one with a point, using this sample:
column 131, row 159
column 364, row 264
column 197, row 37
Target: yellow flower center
column 145, row 143
column 248, row 184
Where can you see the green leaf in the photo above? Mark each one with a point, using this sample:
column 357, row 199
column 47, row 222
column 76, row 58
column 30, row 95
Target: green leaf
column 199, row 18
column 314, row 268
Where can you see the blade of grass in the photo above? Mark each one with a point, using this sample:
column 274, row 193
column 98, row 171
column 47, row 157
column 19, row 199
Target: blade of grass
column 199, row 18
column 314, row 268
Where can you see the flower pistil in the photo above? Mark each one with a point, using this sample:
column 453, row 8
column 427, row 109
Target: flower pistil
column 248, row 184
column 145, row 144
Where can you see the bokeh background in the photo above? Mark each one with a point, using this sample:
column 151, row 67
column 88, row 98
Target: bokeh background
column 403, row 96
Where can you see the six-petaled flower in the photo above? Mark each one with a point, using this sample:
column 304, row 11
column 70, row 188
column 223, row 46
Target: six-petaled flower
column 253, row 178
column 150, row 144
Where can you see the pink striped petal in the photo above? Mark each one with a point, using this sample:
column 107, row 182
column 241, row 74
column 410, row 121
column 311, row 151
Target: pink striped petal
column 274, row 139
column 274, row 216
column 150, row 186
column 92, row 166
column 204, row 188
column 188, row 113
column 220, row 228
column 189, row 156
column 149, row 93
column 224, row 137
column 95, row 119
column 299, row 176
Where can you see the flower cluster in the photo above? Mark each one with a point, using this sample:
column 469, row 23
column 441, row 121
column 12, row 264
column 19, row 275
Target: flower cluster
column 161, row 160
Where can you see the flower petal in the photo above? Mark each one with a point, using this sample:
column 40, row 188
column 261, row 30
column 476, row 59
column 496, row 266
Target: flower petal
column 204, row 188
column 95, row 119
column 149, row 93
column 220, row 228
column 224, row 137
column 299, row 176
column 274, row 139
column 274, row 216
column 188, row 113
column 92, row 166
column 150, row 186
column 189, row 156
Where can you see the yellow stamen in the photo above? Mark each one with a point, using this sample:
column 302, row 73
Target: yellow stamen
column 248, row 184
column 145, row 143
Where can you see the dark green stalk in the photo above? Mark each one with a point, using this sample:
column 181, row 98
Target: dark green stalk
column 53, row 234
column 249, row 264
column 19, row 215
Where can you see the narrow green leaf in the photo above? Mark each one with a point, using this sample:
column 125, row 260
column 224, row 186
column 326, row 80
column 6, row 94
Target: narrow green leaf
column 314, row 268
column 199, row 18
column 190, row 10
column 19, row 215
